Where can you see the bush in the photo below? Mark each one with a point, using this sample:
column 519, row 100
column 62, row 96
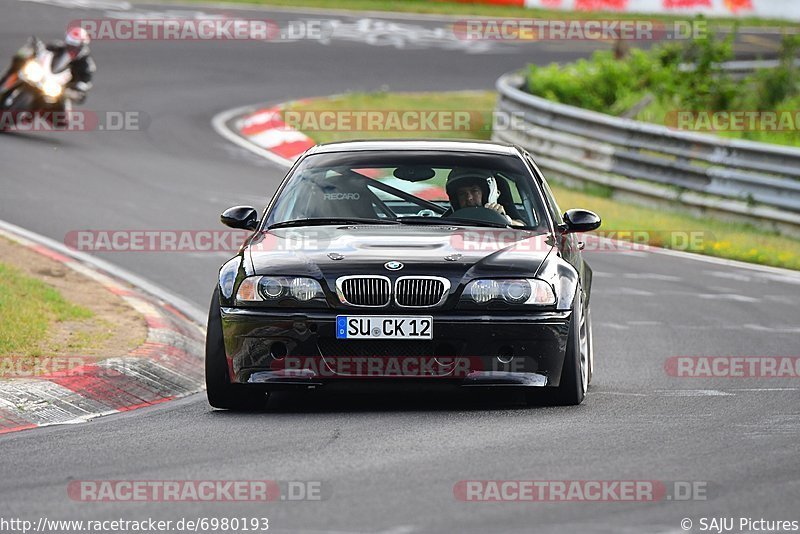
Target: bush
column 598, row 84
column 615, row 86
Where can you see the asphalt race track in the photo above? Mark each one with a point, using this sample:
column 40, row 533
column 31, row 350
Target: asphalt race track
column 387, row 463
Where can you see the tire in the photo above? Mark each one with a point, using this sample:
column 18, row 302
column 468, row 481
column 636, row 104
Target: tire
column 221, row 393
column 24, row 101
column 575, row 373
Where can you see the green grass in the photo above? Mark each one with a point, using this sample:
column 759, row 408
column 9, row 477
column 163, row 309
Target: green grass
column 27, row 309
column 666, row 228
column 717, row 238
column 664, row 113
column 466, row 8
column 476, row 106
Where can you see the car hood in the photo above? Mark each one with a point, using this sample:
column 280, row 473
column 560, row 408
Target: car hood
column 326, row 252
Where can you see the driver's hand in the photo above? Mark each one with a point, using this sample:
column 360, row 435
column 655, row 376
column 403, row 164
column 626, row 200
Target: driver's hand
column 496, row 207
column 501, row 210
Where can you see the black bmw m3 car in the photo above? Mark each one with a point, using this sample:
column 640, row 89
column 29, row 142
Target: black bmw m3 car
column 436, row 263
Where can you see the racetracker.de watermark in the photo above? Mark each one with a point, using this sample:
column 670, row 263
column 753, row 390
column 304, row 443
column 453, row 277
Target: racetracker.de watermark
column 513, row 241
column 206, row 28
column 733, row 366
column 400, row 120
column 333, row 366
column 734, row 121
column 578, row 30
column 579, row 490
column 156, row 240
column 74, row 121
column 295, row 240
column 197, row 490
column 39, row 366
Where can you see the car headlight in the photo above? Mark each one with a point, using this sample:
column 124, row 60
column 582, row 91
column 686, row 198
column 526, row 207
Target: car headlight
column 33, row 72
column 52, row 89
column 511, row 291
column 275, row 289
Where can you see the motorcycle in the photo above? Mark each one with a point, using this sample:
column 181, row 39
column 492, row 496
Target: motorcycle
column 37, row 91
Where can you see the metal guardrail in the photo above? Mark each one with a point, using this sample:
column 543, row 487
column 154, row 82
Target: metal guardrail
column 756, row 182
column 741, row 69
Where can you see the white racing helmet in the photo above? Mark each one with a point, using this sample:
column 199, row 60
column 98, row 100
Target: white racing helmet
column 77, row 37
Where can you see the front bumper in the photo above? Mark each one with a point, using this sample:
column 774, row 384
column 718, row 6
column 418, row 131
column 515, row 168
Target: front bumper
column 284, row 350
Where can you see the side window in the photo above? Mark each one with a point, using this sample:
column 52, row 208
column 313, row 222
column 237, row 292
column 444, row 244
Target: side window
column 552, row 205
column 289, row 202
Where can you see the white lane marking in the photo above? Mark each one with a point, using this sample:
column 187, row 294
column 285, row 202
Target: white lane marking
column 773, row 329
column 653, row 276
column 730, row 276
column 613, row 326
column 620, row 393
column 765, row 389
column 693, row 393
column 709, row 296
column 625, row 291
column 777, row 271
column 400, row 529
column 727, row 296
column 84, row 4
column 754, row 327
column 683, row 417
column 728, row 392
column 635, row 292
column 219, row 123
column 633, row 253
column 779, row 278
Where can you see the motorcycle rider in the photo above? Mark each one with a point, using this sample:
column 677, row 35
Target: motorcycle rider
column 82, row 66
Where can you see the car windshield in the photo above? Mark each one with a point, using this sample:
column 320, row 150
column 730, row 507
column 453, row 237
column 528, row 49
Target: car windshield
column 410, row 187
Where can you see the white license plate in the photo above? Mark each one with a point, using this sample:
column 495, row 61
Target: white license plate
column 384, row 327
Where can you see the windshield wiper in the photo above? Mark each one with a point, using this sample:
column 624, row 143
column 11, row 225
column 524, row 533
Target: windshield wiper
column 450, row 221
column 322, row 221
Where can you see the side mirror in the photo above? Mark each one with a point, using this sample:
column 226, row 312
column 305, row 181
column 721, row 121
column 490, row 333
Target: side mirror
column 241, row 217
column 579, row 220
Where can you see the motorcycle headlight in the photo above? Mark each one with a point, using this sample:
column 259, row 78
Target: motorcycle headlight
column 33, row 72
column 278, row 289
column 52, row 89
column 528, row 291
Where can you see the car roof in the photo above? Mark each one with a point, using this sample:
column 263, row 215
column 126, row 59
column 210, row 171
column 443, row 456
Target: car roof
column 485, row 147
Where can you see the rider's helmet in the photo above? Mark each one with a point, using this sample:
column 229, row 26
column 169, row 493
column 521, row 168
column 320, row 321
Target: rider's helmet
column 462, row 177
column 77, row 40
